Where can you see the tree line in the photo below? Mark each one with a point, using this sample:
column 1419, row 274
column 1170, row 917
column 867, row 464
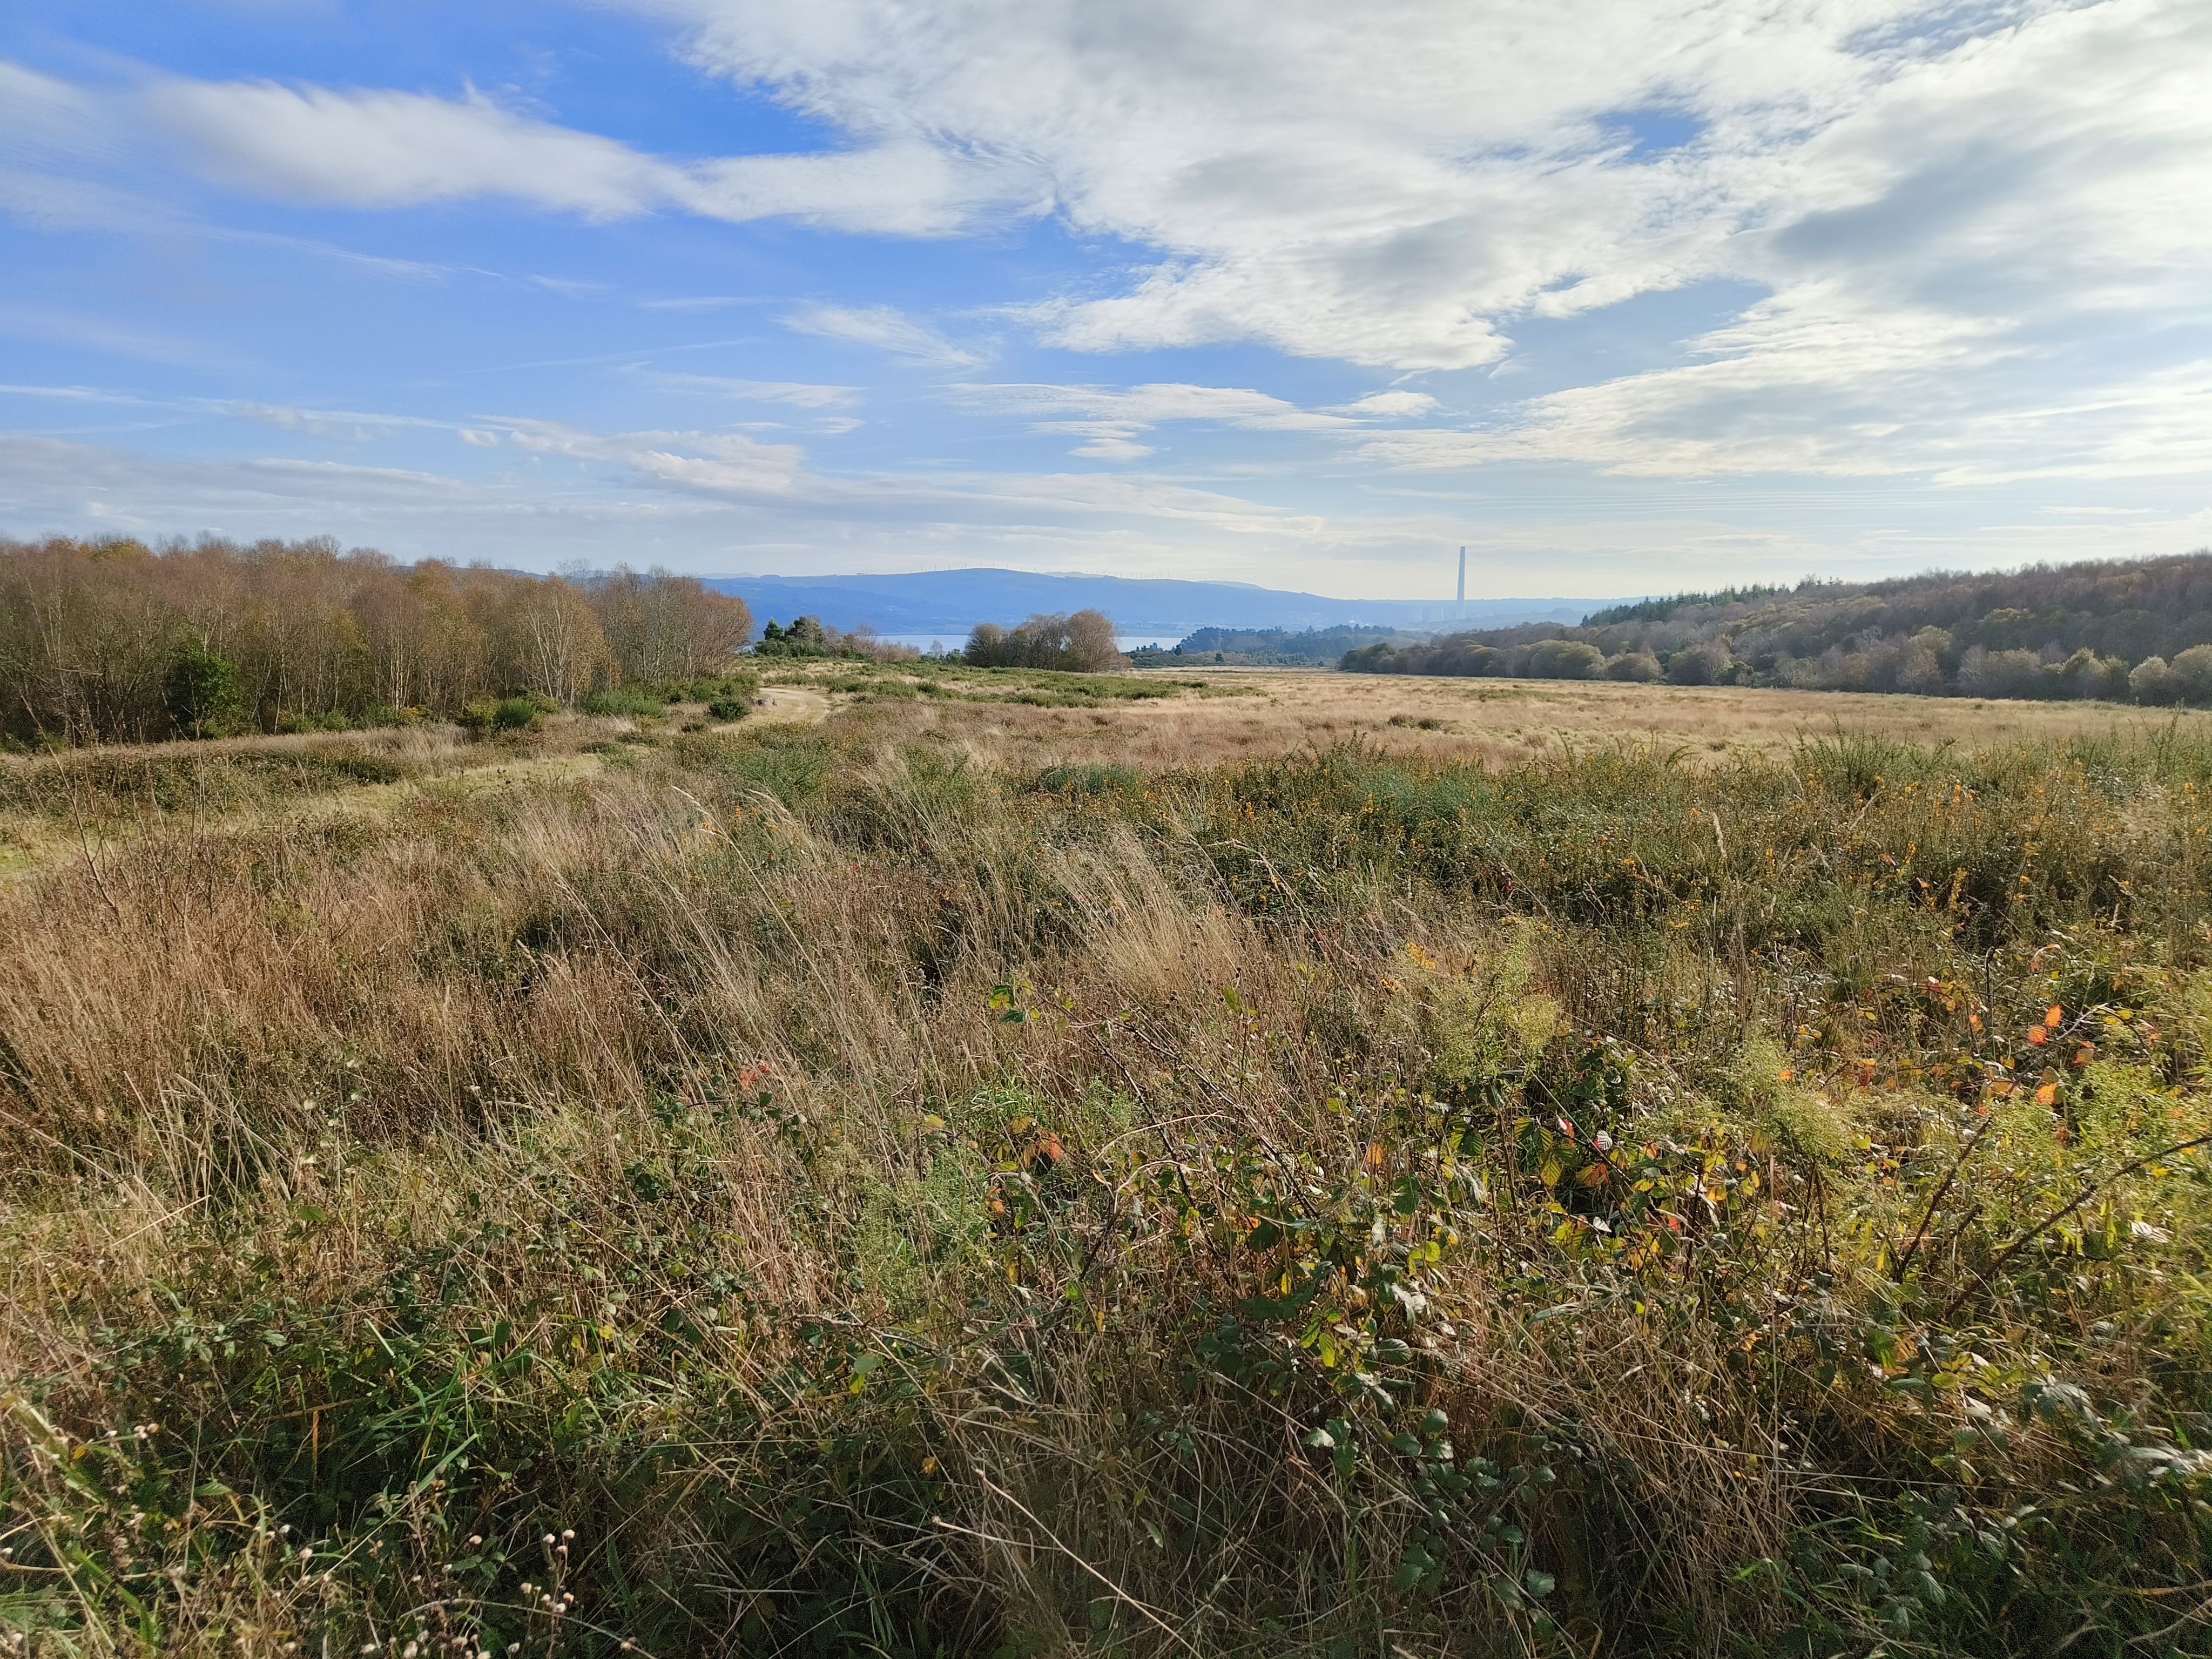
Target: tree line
column 2133, row 631
column 1082, row 642
column 115, row 640
column 1284, row 647
column 809, row 636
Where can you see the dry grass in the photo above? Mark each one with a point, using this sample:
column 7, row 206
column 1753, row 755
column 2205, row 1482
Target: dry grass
column 864, row 1191
column 1277, row 711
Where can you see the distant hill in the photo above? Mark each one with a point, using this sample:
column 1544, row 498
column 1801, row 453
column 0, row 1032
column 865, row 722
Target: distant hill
column 950, row 602
column 2137, row 630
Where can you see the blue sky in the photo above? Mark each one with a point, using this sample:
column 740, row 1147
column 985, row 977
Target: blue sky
column 1625, row 298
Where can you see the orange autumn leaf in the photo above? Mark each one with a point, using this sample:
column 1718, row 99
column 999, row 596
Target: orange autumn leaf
column 2038, row 1035
column 2047, row 1095
column 2054, row 1016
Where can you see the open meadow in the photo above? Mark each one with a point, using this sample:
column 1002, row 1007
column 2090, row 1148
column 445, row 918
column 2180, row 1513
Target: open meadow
column 1223, row 1162
column 1239, row 714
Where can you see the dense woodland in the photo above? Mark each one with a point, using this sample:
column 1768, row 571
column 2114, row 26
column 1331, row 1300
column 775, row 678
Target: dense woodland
column 2138, row 630
column 117, row 642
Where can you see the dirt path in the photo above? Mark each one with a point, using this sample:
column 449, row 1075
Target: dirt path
column 795, row 705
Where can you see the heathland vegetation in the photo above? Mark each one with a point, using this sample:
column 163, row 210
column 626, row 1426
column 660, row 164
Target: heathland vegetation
column 2129, row 631
column 861, row 1189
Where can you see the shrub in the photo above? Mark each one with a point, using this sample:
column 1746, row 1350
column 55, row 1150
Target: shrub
column 1704, row 664
column 638, row 705
column 2003, row 674
column 1563, row 659
column 484, row 716
column 1636, row 666
column 2154, row 683
column 201, row 691
column 2192, row 674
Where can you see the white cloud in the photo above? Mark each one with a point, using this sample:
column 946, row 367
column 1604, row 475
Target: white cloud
column 1982, row 228
column 1110, row 443
column 1383, row 184
column 41, row 110
column 1391, row 405
column 1111, row 417
column 382, row 149
column 798, row 394
column 1971, row 191
column 902, row 188
column 697, row 502
column 722, row 463
column 1822, row 382
column 883, row 327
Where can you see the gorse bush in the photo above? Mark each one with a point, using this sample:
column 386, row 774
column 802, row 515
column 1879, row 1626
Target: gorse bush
column 792, row 1197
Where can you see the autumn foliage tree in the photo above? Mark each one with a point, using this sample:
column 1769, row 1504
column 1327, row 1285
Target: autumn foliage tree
column 115, row 640
column 1083, row 643
column 663, row 626
column 2120, row 630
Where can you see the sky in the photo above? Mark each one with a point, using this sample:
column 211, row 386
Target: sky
column 1626, row 296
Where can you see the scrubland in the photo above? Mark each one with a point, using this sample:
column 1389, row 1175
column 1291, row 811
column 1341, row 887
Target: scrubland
column 1030, row 1165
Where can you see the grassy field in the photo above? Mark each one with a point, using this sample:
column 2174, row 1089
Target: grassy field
column 1010, row 1165
column 1235, row 714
